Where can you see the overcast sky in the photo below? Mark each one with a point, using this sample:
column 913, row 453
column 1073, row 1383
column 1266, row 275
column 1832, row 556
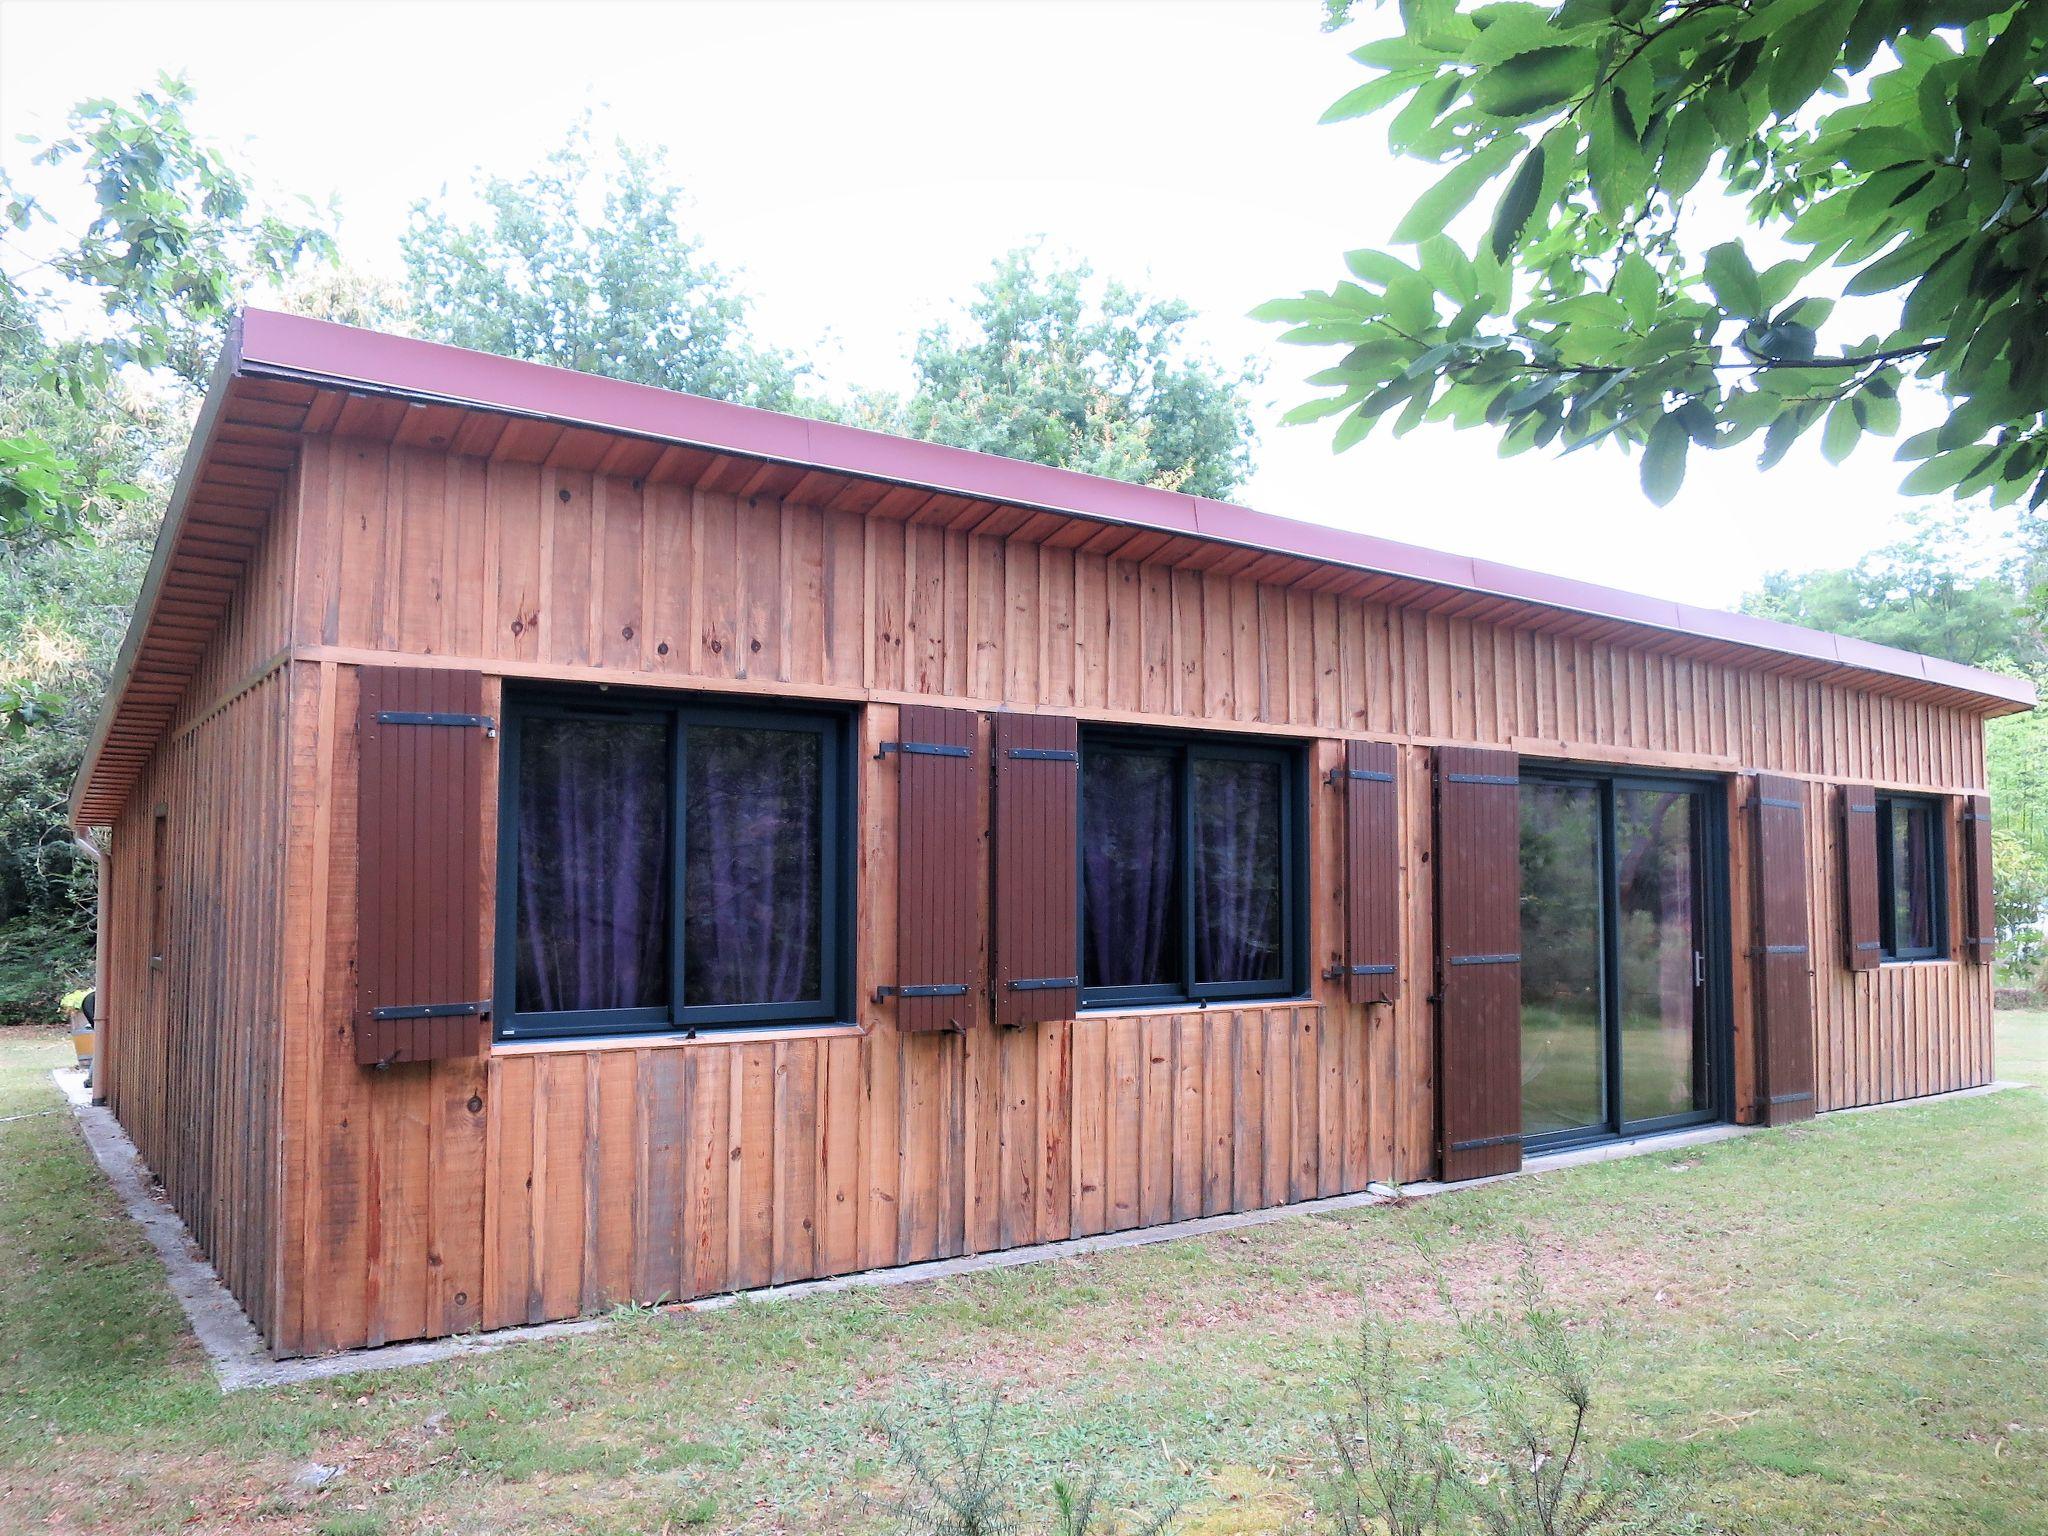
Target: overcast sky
column 862, row 162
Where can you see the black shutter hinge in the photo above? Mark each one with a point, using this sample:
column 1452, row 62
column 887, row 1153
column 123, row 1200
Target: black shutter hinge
column 1337, row 777
column 947, row 989
column 921, row 749
column 431, row 1011
column 434, row 717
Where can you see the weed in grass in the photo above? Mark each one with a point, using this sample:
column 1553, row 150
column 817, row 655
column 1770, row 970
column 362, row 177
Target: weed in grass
column 962, row 1487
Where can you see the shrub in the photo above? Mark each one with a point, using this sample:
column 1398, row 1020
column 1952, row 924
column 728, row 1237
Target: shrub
column 1521, row 1462
column 963, row 1488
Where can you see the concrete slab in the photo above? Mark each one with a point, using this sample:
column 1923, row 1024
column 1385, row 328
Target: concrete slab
column 240, row 1360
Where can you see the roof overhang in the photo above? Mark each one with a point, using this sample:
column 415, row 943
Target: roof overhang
column 283, row 375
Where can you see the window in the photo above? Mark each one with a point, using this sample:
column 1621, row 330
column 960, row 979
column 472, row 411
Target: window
column 670, row 867
column 1911, row 913
column 1191, row 860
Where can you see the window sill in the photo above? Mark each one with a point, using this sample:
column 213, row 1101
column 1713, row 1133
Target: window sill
column 1889, row 964
column 1217, row 1005
column 673, row 1040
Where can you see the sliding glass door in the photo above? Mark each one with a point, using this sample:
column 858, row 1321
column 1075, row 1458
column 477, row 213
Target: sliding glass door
column 1622, row 954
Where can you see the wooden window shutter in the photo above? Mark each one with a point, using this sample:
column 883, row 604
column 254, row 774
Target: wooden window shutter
column 1980, row 933
column 1037, row 780
column 1861, row 945
column 1372, row 873
column 421, row 736
column 1784, row 990
column 1479, row 962
column 940, row 878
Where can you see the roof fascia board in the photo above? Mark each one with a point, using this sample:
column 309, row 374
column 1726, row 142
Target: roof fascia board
column 201, row 444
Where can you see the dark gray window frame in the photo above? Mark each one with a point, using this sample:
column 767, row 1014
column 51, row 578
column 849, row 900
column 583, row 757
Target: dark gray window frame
column 836, row 843
column 1887, row 879
column 1187, row 747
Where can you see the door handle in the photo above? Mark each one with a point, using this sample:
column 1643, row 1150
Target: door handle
column 1699, row 969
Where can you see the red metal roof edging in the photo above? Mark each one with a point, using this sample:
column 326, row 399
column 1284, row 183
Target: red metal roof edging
column 268, row 344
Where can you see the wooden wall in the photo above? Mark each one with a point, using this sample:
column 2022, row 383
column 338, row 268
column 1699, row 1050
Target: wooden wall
column 1900, row 1030
column 530, row 569
column 190, row 1050
column 193, row 1043
column 540, row 1181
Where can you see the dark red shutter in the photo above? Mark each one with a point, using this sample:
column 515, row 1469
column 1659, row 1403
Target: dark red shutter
column 421, row 738
column 1479, row 969
column 1860, row 943
column 1980, row 933
column 940, row 876
column 1372, row 873
column 1784, row 965
column 1038, row 770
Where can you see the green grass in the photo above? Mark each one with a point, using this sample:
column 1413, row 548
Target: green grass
column 1838, row 1327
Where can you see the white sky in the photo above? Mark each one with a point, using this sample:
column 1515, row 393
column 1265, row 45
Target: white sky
column 862, row 162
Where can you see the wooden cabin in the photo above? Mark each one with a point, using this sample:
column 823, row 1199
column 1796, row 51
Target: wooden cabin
column 572, row 843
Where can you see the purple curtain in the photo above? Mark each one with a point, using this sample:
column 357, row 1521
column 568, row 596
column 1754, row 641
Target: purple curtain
column 593, row 865
column 1129, row 868
column 752, row 876
column 1237, row 870
column 1912, row 878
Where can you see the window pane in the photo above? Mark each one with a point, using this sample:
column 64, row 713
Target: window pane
column 1663, row 1050
column 753, row 876
column 1237, row 871
column 1563, row 1037
column 1130, row 869
column 1912, row 861
column 593, row 865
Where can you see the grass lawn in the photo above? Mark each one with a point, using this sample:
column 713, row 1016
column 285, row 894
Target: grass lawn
column 1840, row 1327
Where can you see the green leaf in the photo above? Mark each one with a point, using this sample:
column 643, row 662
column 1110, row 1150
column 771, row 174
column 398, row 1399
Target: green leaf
column 1908, row 262
column 1663, row 468
column 1636, row 285
column 1614, row 160
column 1363, row 100
column 1780, row 437
column 1447, row 199
column 1534, row 81
column 1734, row 281
column 1838, row 437
column 1689, row 143
column 1517, row 203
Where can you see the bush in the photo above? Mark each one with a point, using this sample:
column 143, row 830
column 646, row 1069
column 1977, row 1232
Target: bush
column 961, row 1487
column 1521, row 1463
column 41, row 960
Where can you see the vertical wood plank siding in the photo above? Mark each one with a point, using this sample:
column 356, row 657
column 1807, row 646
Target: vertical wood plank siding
column 1861, row 944
column 1479, row 971
column 1372, row 850
column 1037, row 794
column 420, row 855
column 1783, row 950
column 518, row 1184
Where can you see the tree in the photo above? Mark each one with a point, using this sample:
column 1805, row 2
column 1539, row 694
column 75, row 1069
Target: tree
column 1930, row 591
column 1045, row 370
column 114, row 294
column 1903, row 145
column 586, row 265
column 174, row 237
